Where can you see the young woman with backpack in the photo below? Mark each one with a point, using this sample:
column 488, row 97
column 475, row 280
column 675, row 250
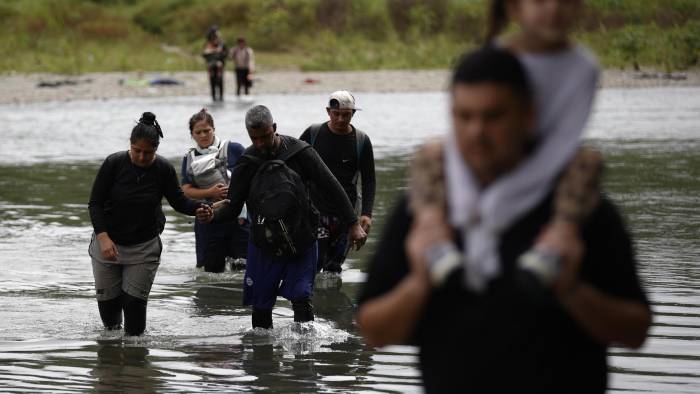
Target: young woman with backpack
column 205, row 175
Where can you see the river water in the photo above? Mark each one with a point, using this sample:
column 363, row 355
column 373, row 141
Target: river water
column 198, row 337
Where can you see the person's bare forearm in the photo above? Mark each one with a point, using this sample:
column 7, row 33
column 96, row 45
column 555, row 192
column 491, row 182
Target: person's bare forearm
column 607, row 318
column 391, row 318
column 195, row 193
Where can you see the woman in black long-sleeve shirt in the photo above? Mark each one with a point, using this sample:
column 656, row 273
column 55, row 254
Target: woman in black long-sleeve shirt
column 126, row 214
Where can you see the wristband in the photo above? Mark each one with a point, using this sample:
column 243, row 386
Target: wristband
column 542, row 263
column 442, row 259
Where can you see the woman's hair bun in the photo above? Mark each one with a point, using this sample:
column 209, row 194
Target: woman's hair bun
column 148, row 118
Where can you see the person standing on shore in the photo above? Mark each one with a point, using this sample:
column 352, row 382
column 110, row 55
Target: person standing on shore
column 271, row 177
column 125, row 210
column 348, row 153
column 205, row 175
column 214, row 54
column 244, row 61
column 448, row 275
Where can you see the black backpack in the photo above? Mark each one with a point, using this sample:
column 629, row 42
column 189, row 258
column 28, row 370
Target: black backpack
column 284, row 221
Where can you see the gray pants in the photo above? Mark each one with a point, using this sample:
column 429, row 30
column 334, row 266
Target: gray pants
column 133, row 272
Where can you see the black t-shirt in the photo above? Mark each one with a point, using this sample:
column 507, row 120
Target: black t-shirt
column 126, row 199
column 339, row 152
column 306, row 163
column 511, row 339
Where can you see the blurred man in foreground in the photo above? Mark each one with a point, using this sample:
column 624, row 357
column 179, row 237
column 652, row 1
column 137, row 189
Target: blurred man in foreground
column 495, row 322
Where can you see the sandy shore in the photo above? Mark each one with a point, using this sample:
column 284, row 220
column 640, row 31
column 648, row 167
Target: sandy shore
column 25, row 88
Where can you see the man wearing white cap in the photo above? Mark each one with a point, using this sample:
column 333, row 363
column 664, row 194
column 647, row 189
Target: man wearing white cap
column 348, row 153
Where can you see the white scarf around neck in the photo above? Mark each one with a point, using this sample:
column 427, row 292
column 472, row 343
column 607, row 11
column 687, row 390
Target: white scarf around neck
column 213, row 148
column 564, row 87
column 483, row 215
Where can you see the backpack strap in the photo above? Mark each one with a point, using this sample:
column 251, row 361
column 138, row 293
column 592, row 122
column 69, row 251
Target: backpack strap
column 360, row 139
column 313, row 133
column 223, row 151
column 293, row 150
column 223, row 159
column 189, row 158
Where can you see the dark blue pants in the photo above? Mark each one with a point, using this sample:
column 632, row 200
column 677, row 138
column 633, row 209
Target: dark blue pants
column 333, row 243
column 267, row 277
column 215, row 241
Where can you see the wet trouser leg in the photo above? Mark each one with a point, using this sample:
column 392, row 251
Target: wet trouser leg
column 138, row 279
column 241, row 80
column 221, row 84
column 131, row 282
column 212, row 84
column 215, row 255
column 111, row 313
column 262, row 318
column 239, row 240
column 217, row 247
column 303, row 310
column 134, row 315
column 200, row 241
column 267, row 277
column 238, row 82
column 332, row 244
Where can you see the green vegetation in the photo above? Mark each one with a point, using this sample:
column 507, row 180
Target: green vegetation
column 74, row 36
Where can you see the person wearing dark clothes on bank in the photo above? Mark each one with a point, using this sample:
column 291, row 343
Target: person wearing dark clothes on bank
column 282, row 252
column 214, row 54
column 125, row 210
column 205, row 175
column 481, row 323
column 348, row 153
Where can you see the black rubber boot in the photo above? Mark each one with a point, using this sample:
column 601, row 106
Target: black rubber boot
column 134, row 315
column 303, row 311
column 262, row 318
column 111, row 313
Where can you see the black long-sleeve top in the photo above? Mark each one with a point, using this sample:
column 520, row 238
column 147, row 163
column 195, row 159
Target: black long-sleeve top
column 126, row 199
column 306, row 163
column 339, row 152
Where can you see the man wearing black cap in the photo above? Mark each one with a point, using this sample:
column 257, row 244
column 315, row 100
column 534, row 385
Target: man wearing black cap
column 348, row 153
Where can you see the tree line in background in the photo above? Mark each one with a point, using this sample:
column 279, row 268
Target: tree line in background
column 73, row 36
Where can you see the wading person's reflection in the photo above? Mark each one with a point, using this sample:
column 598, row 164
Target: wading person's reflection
column 123, row 369
column 218, row 299
column 333, row 304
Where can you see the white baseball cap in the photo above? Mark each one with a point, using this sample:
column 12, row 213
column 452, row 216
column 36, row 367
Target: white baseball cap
column 341, row 99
